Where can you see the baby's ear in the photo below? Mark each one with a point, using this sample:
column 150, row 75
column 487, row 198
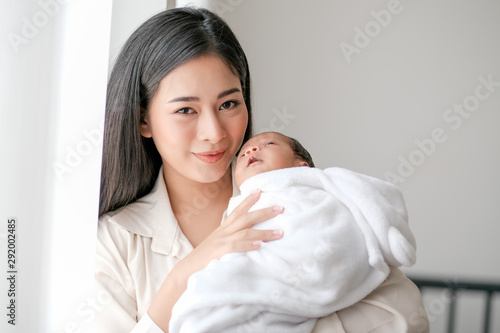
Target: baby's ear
column 301, row 163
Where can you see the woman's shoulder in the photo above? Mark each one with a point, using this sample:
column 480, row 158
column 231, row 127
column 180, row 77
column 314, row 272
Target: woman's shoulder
column 132, row 218
column 141, row 217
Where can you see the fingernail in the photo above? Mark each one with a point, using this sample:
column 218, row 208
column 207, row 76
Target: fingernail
column 278, row 232
column 256, row 243
column 256, row 192
column 278, row 208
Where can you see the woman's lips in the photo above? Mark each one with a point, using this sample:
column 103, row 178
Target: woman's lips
column 210, row 157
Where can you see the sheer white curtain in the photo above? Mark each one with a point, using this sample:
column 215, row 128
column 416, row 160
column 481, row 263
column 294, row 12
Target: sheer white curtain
column 54, row 60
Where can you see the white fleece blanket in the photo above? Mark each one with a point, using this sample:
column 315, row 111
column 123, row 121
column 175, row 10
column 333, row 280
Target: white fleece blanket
column 341, row 231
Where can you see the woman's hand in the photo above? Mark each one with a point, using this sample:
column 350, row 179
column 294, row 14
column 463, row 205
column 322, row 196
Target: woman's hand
column 234, row 235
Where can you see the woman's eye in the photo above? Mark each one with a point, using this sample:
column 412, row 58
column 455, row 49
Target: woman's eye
column 228, row 105
column 185, row 111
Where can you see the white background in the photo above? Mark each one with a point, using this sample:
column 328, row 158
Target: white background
column 364, row 112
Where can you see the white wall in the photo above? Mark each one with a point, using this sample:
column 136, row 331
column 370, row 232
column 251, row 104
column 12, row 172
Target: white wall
column 127, row 16
column 365, row 111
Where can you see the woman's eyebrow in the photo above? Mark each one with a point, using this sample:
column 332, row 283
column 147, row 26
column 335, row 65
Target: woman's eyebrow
column 197, row 99
column 184, row 99
column 228, row 92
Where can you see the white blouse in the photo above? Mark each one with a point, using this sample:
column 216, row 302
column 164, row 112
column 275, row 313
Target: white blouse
column 138, row 245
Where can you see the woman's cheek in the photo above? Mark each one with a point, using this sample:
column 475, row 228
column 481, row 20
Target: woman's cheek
column 240, row 126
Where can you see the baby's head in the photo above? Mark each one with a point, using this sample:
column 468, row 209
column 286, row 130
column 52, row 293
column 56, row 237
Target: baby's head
column 269, row 151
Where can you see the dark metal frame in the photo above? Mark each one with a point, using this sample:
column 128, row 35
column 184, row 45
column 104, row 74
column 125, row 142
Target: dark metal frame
column 458, row 285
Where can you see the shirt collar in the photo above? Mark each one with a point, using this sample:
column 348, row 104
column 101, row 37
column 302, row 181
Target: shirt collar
column 152, row 216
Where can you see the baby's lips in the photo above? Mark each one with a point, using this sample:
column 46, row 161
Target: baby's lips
column 251, row 160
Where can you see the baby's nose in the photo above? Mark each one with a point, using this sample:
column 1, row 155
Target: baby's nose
column 253, row 149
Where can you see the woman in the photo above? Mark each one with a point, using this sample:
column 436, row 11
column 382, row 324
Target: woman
column 178, row 110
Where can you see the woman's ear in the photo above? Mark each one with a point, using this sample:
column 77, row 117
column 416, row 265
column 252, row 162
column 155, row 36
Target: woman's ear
column 145, row 128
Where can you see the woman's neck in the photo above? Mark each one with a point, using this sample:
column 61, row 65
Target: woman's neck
column 197, row 206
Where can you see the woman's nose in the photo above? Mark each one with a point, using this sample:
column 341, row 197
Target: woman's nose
column 252, row 149
column 211, row 128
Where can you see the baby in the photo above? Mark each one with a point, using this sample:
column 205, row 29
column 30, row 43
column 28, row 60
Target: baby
column 269, row 151
column 341, row 232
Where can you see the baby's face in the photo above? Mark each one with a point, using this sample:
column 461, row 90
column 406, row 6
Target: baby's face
column 264, row 152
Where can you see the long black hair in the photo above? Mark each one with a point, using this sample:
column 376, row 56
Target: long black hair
column 130, row 162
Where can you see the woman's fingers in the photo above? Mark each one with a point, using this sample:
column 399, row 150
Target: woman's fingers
column 261, row 215
column 236, row 234
column 247, row 203
column 237, row 222
column 240, row 218
column 251, row 239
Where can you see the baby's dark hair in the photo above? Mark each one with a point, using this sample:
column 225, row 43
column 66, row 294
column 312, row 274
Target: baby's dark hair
column 300, row 152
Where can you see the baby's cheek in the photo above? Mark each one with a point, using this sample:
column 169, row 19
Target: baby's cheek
column 237, row 176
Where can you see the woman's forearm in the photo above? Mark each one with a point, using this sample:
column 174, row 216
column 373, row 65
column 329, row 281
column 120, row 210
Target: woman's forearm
column 169, row 293
column 174, row 286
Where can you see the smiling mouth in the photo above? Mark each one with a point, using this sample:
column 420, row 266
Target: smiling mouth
column 252, row 160
column 210, row 157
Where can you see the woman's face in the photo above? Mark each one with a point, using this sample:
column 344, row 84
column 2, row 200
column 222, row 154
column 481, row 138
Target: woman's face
column 197, row 119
